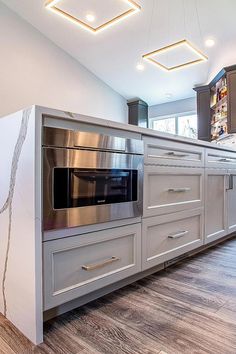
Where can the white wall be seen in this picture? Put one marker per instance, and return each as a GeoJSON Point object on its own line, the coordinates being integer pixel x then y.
{"type": "Point", "coordinates": [33, 70]}
{"type": "Point", "coordinates": [169, 108]}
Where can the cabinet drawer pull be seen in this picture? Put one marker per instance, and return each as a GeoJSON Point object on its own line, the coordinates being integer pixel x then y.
{"type": "Point", "coordinates": [178, 234]}
{"type": "Point", "coordinates": [179, 190]}
{"type": "Point", "coordinates": [226, 160]}
{"type": "Point", "coordinates": [90, 267]}
{"type": "Point", "coordinates": [230, 182]}
{"type": "Point", "coordinates": [174, 154]}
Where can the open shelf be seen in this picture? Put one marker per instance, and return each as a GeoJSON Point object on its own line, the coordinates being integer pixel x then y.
{"type": "Point", "coordinates": [219, 103]}
{"type": "Point", "coordinates": [219, 109]}
{"type": "Point", "coordinates": [216, 105]}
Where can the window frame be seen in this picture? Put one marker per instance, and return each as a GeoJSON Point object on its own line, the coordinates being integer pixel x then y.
{"type": "Point", "coordinates": [176, 116]}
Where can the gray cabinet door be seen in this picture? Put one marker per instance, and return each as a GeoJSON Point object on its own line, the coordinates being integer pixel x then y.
{"type": "Point", "coordinates": [231, 202]}
{"type": "Point", "coordinates": [215, 204]}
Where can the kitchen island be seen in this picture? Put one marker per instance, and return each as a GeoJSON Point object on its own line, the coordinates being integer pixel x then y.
{"type": "Point", "coordinates": [189, 198]}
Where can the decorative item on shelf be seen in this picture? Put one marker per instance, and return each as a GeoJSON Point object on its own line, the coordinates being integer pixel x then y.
{"type": "Point", "coordinates": [222, 130]}
{"type": "Point", "coordinates": [213, 100]}
{"type": "Point", "coordinates": [54, 6]}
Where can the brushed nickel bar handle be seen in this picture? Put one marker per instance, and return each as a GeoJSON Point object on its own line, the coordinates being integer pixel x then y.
{"type": "Point", "coordinates": [230, 182]}
{"type": "Point", "coordinates": [178, 234]}
{"type": "Point", "coordinates": [226, 160]}
{"type": "Point", "coordinates": [178, 190]}
{"type": "Point", "coordinates": [172, 153]}
{"type": "Point", "coordinates": [95, 266]}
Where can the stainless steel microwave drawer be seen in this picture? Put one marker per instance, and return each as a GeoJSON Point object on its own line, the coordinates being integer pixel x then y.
{"type": "Point", "coordinates": [168, 236]}
{"type": "Point", "coordinates": [171, 189]}
{"type": "Point", "coordinates": [78, 265]}
{"type": "Point", "coordinates": [171, 153]}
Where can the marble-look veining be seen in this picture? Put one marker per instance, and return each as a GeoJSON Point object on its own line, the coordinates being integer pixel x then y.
{"type": "Point", "coordinates": [70, 114]}
{"type": "Point", "coordinates": [7, 206]}
{"type": "Point", "coordinates": [20, 223]}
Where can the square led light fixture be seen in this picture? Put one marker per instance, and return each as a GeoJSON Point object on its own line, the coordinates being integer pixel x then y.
{"type": "Point", "coordinates": [54, 5]}
{"type": "Point", "coordinates": [151, 57]}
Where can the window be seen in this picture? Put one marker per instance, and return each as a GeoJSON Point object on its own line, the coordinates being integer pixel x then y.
{"type": "Point", "coordinates": [187, 126]}
{"type": "Point", "coordinates": [184, 124]}
{"type": "Point", "coordinates": [167, 125]}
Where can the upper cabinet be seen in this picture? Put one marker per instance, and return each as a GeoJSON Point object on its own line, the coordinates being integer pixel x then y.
{"type": "Point", "coordinates": [216, 105]}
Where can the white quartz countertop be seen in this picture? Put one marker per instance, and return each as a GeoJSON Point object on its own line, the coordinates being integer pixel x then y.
{"type": "Point", "coordinates": [131, 128]}
{"type": "Point", "coordinates": [128, 127]}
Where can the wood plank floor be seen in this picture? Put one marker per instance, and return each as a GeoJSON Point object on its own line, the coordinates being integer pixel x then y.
{"type": "Point", "coordinates": [188, 308]}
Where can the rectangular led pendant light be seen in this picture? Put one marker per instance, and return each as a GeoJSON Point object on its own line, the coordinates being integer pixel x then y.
{"type": "Point", "coordinates": [168, 48]}
{"type": "Point", "coordinates": [53, 5]}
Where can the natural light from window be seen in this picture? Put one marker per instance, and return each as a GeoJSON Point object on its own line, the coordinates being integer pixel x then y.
{"type": "Point", "coordinates": [182, 124]}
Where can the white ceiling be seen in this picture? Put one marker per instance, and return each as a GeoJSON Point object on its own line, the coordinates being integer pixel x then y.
{"type": "Point", "coordinates": [113, 53]}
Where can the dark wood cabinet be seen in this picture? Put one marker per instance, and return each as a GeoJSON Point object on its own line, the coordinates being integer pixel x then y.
{"type": "Point", "coordinates": [138, 113]}
{"type": "Point", "coordinates": [203, 112]}
{"type": "Point", "coordinates": [231, 82]}
{"type": "Point", "coordinates": [216, 105]}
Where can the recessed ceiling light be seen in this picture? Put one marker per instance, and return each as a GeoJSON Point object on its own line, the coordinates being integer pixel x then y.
{"type": "Point", "coordinates": [140, 67]}
{"type": "Point", "coordinates": [90, 17]}
{"type": "Point", "coordinates": [168, 95]}
{"type": "Point", "coordinates": [210, 42]}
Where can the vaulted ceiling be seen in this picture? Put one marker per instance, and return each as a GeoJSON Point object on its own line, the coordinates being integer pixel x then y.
{"type": "Point", "coordinates": [113, 54]}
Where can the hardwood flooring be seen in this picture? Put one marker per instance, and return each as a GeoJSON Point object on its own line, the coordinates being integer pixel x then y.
{"type": "Point", "coordinates": [188, 308]}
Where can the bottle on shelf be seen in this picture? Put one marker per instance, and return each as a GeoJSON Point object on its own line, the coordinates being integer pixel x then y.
{"type": "Point", "coordinates": [218, 115]}
{"type": "Point", "coordinates": [224, 92]}
{"type": "Point", "coordinates": [221, 131]}
{"type": "Point", "coordinates": [213, 100]}
{"type": "Point", "coordinates": [224, 111]}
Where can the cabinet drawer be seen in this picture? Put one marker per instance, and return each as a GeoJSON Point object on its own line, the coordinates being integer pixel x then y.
{"type": "Point", "coordinates": [220, 159]}
{"type": "Point", "coordinates": [168, 236]}
{"type": "Point", "coordinates": [75, 266]}
{"type": "Point", "coordinates": [164, 152]}
{"type": "Point", "coordinates": [169, 189]}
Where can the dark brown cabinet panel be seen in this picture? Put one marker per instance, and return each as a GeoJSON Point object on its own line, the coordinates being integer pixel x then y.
{"type": "Point", "coordinates": [231, 82]}
{"type": "Point", "coordinates": [138, 113]}
{"type": "Point", "coordinates": [203, 112]}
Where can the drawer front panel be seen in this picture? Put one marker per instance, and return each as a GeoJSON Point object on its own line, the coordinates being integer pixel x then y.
{"type": "Point", "coordinates": [168, 190]}
{"type": "Point", "coordinates": [78, 265]}
{"type": "Point", "coordinates": [169, 236]}
{"type": "Point", "coordinates": [220, 159]}
{"type": "Point", "coordinates": [160, 152]}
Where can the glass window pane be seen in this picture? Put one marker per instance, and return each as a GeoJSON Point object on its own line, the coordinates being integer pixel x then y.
{"type": "Point", "coordinates": [166, 125]}
{"type": "Point", "coordinates": [187, 126]}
